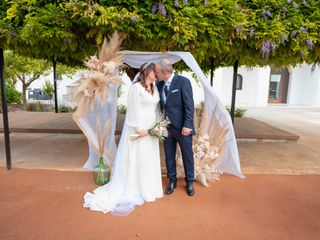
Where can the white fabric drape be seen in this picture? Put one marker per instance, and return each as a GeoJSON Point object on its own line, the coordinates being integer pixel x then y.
{"type": "Point", "coordinates": [87, 123]}
{"type": "Point", "coordinates": [230, 162]}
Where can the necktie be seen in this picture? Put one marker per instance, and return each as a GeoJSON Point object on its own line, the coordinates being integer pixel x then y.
{"type": "Point", "coordinates": [166, 90]}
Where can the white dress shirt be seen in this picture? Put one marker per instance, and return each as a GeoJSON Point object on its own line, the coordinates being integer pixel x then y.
{"type": "Point", "coordinates": [167, 84]}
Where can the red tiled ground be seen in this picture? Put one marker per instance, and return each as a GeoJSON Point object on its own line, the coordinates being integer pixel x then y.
{"type": "Point", "coordinates": [44, 204]}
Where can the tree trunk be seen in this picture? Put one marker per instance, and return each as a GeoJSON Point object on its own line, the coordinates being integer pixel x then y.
{"type": "Point", "coordinates": [24, 93]}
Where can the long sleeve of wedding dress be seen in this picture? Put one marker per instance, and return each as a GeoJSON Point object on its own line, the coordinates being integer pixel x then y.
{"type": "Point", "coordinates": [136, 175]}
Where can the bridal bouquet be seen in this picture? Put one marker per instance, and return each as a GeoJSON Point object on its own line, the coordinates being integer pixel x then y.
{"type": "Point", "coordinates": [159, 130]}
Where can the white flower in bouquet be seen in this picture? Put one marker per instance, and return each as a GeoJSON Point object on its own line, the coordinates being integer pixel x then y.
{"type": "Point", "coordinates": [109, 67]}
{"type": "Point", "coordinates": [86, 92]}
{"type": "Point", "coordinates": [206, 137]}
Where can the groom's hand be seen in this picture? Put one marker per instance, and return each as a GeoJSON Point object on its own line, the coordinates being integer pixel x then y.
{"type": "Point", "coordinates": [186, 131]}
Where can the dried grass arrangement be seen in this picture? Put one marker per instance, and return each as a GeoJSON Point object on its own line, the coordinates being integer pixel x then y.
{"type": "Point", "coordinates": [102, 71]}
{"type": "Point", "coordinates": [102, 139]}
{"type": "Point", "coordinates": [208, 147]}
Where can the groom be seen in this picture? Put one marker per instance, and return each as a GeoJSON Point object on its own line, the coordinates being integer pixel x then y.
{"type": "Point", "coordinates": [177, 104]}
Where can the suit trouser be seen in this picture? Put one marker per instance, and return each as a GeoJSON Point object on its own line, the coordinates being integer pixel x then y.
{"type": "Point", "coordinates": [170, 147]}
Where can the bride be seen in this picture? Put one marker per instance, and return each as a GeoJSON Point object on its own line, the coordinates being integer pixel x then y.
{"type": "Point", "coordinates": [136, 175]}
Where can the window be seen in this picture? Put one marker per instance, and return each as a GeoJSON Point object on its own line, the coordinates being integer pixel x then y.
{"type": "Point", "coordinates": [239, 82]}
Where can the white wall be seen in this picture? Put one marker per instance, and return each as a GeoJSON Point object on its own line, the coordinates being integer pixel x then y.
{"type": "Point", "coordinates": [254, 87]}
{"type": "Point", "coordinates": [304, 87]}
{"type": "Point", "coordinates": [61, 85]}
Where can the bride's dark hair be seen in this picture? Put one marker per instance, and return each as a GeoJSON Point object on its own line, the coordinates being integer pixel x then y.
{"type": "Point", "coordinates": [144, 71]}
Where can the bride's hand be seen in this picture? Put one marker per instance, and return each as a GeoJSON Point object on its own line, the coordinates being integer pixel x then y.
{"type": "Point", "coordinates": [143, 133]}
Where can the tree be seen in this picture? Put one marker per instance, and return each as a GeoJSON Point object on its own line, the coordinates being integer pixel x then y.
{"type": "Point", "coordinates": [24, 69]}
{"type": "Point", "coordinates": [27, 70]}
{"type": "Point", "coordinates": [258, 32]}
{"type": "Point", "coordinates": [48, 89]}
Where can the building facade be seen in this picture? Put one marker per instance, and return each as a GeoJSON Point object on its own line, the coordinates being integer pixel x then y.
{"type": "Point", "coordinates": [296, 86]}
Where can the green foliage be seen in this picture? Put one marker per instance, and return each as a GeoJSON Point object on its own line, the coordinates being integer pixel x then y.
{"type": "Point", "coordinates": [48, 88]}
{"type": "Point", "coordinates": [119, 91]}
{"type": "Point", "coordinates": [66, 109]}
{"type": "Point", "coordinates": [238, 112]}
{"type": "Point", "coordinates": [13, 96]}
{"type": "Point", "coordinates": [27, 70]}
{"type": "Point", "coordinates": [221, 31]}
{"type": "Point", "coordinates": [37, 107]}
{"type": "Point", "coordinates": [122, 109]}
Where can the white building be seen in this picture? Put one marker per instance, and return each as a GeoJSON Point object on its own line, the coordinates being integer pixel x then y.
{"type": "Point", "coordinates": [256, 86]}
{"type": "Point", "coordinates": [262, 86]}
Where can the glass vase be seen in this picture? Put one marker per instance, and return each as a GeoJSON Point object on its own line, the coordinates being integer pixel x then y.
{"type": "Point", "coordinates": [101, 173]}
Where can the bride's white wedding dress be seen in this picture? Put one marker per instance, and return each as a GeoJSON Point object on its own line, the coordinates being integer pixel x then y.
{"type": "Point", "coordinates": [136, 173]}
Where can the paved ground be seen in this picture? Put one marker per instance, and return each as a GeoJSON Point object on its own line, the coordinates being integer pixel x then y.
{"type": "Point", "coordinates": [42, 204]}
{"type": "Point", "coordinates": [47, 204]}
{"type": "Point", "coordinates": [69, 151]}
{"type": "Point", "coordinates": [302, 157]}
{"type": "Point", "coordinates": [49, 122]}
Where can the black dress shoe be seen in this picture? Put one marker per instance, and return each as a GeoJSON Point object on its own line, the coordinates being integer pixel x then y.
{"type": "Point", "coordinates": [171, 187]}
{"type": "Point", "coordinates": [190, 189]}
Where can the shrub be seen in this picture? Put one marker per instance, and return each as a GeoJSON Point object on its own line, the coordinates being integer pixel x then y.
{"type": "Point", "coordinates": [13, 96]}
{"type": "Point", "coordinates": [36, 107]}
{"type": "Point", "coordinates": [239, 112]}
{"type": "Point", "coordinates": [122, 109]}
{"type": "Point", "coordinates": [48, 88]}
{"type": "Point", "coordinates": [63, 108]}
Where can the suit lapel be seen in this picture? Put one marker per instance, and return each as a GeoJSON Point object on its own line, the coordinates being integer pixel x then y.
{"type": "Point", "coordinates": [172, 86]}
{"type": "Point", "coordinates": [160, 89]}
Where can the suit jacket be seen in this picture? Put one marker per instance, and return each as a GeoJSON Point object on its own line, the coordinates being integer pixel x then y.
{"type": "Point", "coordinates": [179, 106]}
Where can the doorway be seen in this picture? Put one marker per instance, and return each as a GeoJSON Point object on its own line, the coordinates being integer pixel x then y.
{"type": "Point", "coordinates": [278, 85]}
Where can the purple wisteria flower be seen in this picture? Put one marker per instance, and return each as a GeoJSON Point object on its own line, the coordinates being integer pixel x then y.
{"type": "Point", "coordinates": [293, 33]}
{"type": "Point", "coordinates": [134, 19]}
{"type": "Point", "coordinates": [310, 44]}
{"type": "Point", "coordinates": [285, 10]}
{"type": "Point", "coordinates": [295, 5]}
{"type": "Point", "coordinates": [68, 40]}
{"type": "Point", "coordinates": [304, 3]}
{"type": "Point", "coordinates": [238, 8]}
{"type": "Point", "coordinates": [238, 28]}
{"type": "Point", "coordinates": [185, 2]}
{"type": "Point", "coordinates": [284, 38]}
{"type": "Point", "coordinates": [268, 13]}
{"type": "Point", "coordinates": [265, 17]}
{"type": "Point", "coordinates": [303, 30]}
{"type": "Point", "coordinates": [266, 48]}
{"type": "Point", "coordinates": [176, 3]}
{"type": "Point", "coordinates": [11, 33]}
{"type": "Point", "coordinates": [162, 9]}
{"type": "Point", "coordinates": [273, 47]}
{"type": "Point", "coordinates": [289, 1]}
{"type": "Point", "coordinates": [251, 33]}
{"type": "Point", "coordinates": [154, 8]}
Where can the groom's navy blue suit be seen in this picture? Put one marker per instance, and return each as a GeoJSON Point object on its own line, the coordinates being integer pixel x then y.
{"type": "Point", "coordinates": [178, 107]}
